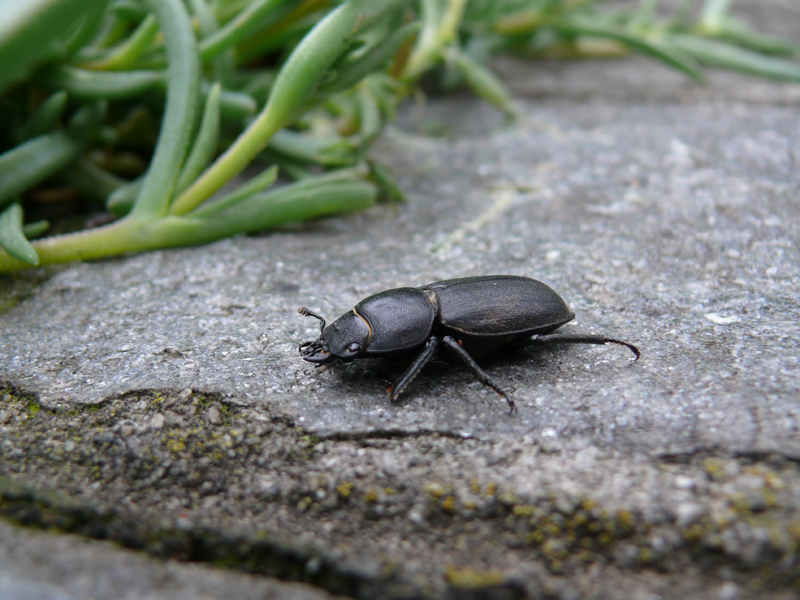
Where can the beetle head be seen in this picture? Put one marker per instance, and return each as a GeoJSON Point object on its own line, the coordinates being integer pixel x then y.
{"type": "Point", "coordinates": [343, 340]}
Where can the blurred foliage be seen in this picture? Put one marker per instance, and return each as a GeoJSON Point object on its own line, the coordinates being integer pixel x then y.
{"type": "Point", "coordinates": [147, 108]}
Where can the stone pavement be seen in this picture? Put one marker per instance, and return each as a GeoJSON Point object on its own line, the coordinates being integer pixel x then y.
{"type": "Point", "coordinates": [158, 401]}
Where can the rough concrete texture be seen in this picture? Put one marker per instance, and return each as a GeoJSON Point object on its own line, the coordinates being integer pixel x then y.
{"type": "Point", "coordinates": [159, 400]}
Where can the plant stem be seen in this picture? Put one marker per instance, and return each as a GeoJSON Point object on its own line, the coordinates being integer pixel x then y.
{"type": "Point", "coordinates": [117, 238]}
{"type": "Point", "coordinates": [183, 94]}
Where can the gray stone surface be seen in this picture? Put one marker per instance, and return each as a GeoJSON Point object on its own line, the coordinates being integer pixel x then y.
{"type": "Point", "coordinates": [670, 226]}
{"type": "Point", "coordinates": [46, 566]}
{"type": "Point", "coordinates": [665, 214]}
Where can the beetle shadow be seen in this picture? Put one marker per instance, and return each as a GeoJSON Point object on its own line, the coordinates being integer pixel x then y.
{"type": "Point", "coordinates": [374, 376]}
{"type": "Point", "coordinates": [377, 375]}
{"type": "Point", "coordinates": [358, 377]}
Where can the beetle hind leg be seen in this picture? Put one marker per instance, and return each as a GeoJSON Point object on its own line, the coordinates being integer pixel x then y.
{"type": "Point", "coordinates": [431, 347]}
{"type": "Point", "coordinates": [573, 338]}
{"type": "Point", "coordinates": [479, 373]}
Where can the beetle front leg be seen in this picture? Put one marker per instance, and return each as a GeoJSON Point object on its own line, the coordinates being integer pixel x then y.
{"type": "Point", "coordinates": [482, 376]}
{"type": "Point", "coordinates": [431, 347]}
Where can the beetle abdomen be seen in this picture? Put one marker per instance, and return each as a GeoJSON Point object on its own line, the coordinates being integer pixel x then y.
{"type": "Point", "coordinates": [400, 319]}
{"type": "Point", "coordinates": [501, 305]}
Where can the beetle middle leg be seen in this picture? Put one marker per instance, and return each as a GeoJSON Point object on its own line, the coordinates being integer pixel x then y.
{"type": "Point", "coordinates": [482, 376]}
{"type": "Point", "coordinates": [431, 347]}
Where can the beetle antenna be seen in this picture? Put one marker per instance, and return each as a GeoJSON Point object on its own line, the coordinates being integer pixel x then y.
{"type": "Point", "coordinates": [310, 313]}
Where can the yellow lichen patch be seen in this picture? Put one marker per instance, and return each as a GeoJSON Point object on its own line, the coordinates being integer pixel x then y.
{"type": "Point", "coordinates": [714, 468]}
{"type": "Point", "coordinates": [773, 481]}
{"type": "Point", "coordinates": [523, 510]}
{"type": "Point", "coordinates": [475, 486]}
{"type": "Point", "coordinates": [435, 490]}
{"type": "Point", "coordinates": [625, 521]}
{"type": "Point", "coordinates": [344, 489]}
{"type": "Point", "coordinates": [793, 528]}
{"type": "Point", "coordinates": [693, 533]}
{"type": "Point", "coordinates": [536, 537]}
{"type": "Point", "coordinates": [646, 556]}
{"type": "Point", "coordinates": [467, 577]}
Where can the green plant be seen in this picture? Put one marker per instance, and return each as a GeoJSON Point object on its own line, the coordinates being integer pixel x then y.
{"type": "Point", "coordinates": [299, 86]}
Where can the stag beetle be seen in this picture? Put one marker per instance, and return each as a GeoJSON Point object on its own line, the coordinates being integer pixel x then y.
{"type": "Point", "coordinates": [471, 316]}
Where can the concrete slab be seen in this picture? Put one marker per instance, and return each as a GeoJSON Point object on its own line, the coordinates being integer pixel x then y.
{"type": "Point", "coordinates": [47, 566]}
{"type": "Point", "coordinates": [163, 395]}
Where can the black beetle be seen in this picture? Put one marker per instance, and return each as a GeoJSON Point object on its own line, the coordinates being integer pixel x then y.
{"type": "Point", "coordinates": [472, 316]}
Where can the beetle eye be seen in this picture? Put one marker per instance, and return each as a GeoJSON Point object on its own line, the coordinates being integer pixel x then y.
{"type": "Point", "coordinates": [354, 347]}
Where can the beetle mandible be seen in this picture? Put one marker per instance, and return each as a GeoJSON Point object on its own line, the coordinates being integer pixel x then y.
{"type": "Point", "coordinates": [471, 316]}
